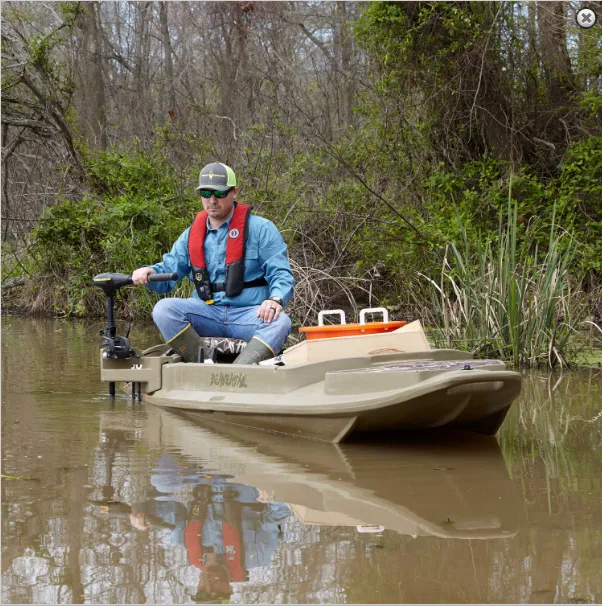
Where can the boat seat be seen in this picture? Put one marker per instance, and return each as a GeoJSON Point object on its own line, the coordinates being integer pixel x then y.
{"type": "Point", "coordinates": [225, 346]}
{"type": "Point", "coordinates": [221, 345]}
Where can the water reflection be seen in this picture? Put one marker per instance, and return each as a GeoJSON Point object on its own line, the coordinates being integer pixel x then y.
{"type": "Point", "coordinates": [454, 486]}
{"type": "Point", "coordinates": [110, 489]}
{"type": "Point", "coordinates": [555, 420]}
{"type": "Point", "coordinates": [261, 516]}
{"type": "Point", "coordinates": [227, 528]}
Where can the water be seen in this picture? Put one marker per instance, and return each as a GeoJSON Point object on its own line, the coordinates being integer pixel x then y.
{"type": "Point", "coordinates": [126, 503]}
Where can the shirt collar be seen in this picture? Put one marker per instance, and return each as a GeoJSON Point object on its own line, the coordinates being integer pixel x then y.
{"type": "Point", "coordinates": [226, 222]}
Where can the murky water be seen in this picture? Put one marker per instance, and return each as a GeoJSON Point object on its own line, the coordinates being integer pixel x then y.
{"type": "Point", "coordinates": [125, 503]}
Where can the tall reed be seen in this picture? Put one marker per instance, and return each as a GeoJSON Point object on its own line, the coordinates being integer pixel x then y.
{"type": "Point", "coordinates": [509, 298]}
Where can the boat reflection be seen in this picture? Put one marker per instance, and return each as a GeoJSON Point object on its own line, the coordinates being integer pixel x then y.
{"type": "Point", "coordinates": [241, 503]}
{"type": "Point", "coordinates": [454, 487]}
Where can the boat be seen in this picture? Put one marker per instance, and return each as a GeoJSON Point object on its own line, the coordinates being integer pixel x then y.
{"type": "Point", "coordinates": [456, 487]}
{"type": "Point", "coordinates": [327, 389]}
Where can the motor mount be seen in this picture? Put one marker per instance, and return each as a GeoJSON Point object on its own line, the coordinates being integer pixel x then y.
{"type": "Point", "coordinates": [116, 348]}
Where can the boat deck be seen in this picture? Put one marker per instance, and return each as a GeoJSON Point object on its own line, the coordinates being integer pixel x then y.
{"type": "Point", "coordinates": [419, 365]}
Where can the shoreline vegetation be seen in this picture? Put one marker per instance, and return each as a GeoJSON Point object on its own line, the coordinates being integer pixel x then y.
{"type": "Point", "coordinates": [443, 160]}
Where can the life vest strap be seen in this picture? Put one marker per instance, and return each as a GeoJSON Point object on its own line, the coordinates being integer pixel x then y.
{"type": "Point", "coordinates": [221, 286]}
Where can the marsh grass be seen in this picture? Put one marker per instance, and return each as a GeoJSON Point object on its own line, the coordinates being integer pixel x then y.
{"type": "Point", "coordinates": [510, 298]}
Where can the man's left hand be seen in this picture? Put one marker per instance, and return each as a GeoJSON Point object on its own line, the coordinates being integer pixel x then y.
{"type": "Point", "coordinates": [269, 311]}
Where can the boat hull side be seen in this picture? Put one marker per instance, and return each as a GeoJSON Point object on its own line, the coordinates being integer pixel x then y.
{"type": "Point", "coordinates": [343, 402]}
{"type": "Point", "coordinates": [476, 407]}
{"type": "Point", "coordinates": [479, 408]}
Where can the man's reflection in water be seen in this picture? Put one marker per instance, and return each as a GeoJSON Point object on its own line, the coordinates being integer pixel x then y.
{"type": "Point", "coordinates": [227, 528]}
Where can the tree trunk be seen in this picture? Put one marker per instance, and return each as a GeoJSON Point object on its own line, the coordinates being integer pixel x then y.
{"type": "Point", "coordinates": [100, 122]}
{"type": "Point", "coordinates": [532, 59]}
{"type": "Point", "coordinates": [92, 101]}
{"type": "Point", "coordinates": [6, 211]}
{"type": "Point", "coordinates": [556, 63]}
{"type": "Point", "coordinates": [141, 57]}
{"type": "Point", "coordinates": [346, 54]}
{"type": "Point", "coordinates": [171, 98]}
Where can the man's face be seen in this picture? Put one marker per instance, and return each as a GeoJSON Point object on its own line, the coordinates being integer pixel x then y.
{"type": "Point", "coordinates": [220, 208]}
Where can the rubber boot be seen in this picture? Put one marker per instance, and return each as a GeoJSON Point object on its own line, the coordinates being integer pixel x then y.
{"type": "Point", "coordinates": [256, 351]}
{"type": "Point", "coordinates": [187, 343]}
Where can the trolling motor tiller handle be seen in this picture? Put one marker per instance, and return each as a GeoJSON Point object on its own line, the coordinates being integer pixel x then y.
{"type": "Point", "coordinates": [115, 347]}
{"type": "Point", "coordinates": [111, 283]}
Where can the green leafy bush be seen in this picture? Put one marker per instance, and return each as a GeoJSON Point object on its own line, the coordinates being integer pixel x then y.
{"type": "Point", "coordinates": [132, 216]}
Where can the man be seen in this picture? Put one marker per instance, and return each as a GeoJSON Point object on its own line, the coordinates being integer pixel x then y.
{"type": "Point", "coordinates": [227, 529]}
{"type": "Point", "coordinates": [239, 266]}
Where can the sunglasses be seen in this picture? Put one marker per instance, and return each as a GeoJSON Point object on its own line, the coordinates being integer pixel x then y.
{"type": "Point", "coordinates": [207, 193]}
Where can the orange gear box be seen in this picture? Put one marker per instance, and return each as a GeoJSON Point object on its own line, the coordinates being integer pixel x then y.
{"type": "Point", "coordinates": [350, 330]}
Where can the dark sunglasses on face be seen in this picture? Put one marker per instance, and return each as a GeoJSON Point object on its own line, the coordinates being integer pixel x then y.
{"type": "Point", "coordinates": [207, 193]}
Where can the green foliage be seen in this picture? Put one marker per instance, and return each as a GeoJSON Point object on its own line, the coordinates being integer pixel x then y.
{"type": "Point", "coordinates": [70, 11]}
{"type": "Point", "coordinates": [40, 51]}
{"type": "Point", "coordinates": [591, 103]}
{"type": "Point", "coordinates": [425, 54]}
{"type": "Point", "coordinates": [467, 79]}
{"type": "Point", "coordinates": [467, 203]}
{"type": "Point", "coordinates": [133, 217]}
{"type": "Point", "coordinates": [512, 299]}
{"type": "Point", "coordinates": [139, 202]}
{"type": "Point", "coordinates": [579, 197]}
{"type": "Point", "coordinates": [426, 35]}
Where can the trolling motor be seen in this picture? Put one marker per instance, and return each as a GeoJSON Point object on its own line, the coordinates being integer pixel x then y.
{"type": "Point", "coordinates": [116, 347]}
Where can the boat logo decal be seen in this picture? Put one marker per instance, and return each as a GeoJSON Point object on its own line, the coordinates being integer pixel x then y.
{"type": "Point", "coordinates": [234, 233]}
{"type": "Point", "coordinates": [237, 380]}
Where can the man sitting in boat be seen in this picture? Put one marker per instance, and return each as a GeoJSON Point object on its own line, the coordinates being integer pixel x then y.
{"type": "Point", "coordinates": [239, 266]}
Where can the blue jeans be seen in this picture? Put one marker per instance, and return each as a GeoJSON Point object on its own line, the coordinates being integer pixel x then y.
{"type": "Point", "coordinates": [171, 315]}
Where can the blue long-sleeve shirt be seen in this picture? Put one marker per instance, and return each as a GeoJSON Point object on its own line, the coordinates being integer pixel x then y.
{"type": "Point", "coordinates": [265, 256]}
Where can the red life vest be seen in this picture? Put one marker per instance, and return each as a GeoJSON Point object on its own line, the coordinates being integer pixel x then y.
{"type": "Point", "coordinates": [232, 548]}
{"type": "Point", "coordinates": [235, 255]}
